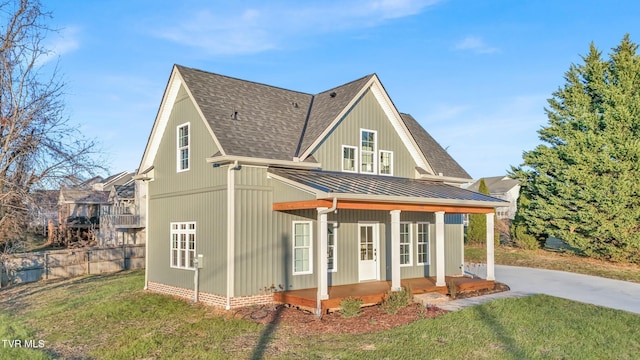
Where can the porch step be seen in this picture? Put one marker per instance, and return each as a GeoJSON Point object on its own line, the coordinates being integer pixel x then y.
{"type": "Point", "coordinates": [431, 298]}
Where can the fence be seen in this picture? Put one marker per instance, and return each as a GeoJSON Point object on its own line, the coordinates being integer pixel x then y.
{"type": "Point", "coordinates": [56, 264]}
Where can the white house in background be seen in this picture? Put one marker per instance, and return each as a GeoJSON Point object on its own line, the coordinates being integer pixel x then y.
{"type": "Point", "coordinates": [505, 188]}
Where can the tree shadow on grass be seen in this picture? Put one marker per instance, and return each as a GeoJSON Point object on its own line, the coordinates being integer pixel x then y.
{"type": "Point", "coordinates": [512, 349]}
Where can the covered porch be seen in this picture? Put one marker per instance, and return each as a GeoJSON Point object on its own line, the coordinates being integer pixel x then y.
{"type": "Point", "coordinates": [334, 192]}
{"type": "Point", "coordinates": [373, 292]}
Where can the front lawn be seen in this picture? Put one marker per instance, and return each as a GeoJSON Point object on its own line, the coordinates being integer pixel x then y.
{"type": "Point", "coordinates": [110, 317]}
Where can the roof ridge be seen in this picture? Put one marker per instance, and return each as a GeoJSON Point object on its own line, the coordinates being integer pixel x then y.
{"type": "Point", "coordinates": [243, 80]}
{"type": "Point", "coordinates": [346, 84]}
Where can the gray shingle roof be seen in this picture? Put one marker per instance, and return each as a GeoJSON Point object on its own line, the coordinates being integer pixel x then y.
{"type": "Point", "coordinates": [269, 119]}
{"type": "Point", "coordinates": [327, 107]}
{"type": "Point", "coordinates": [279, 124]}
{"type": "Point", "coordinates": [496, 184]}
{"type": "Point", "coordinates": [438, 158]}
{"type": "Point", "coordinates": [84, 196]}
{"type": "Point", "coordinates": [339, 182]}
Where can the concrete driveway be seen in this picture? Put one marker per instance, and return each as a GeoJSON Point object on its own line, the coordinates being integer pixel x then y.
{"type": "Point", "coordinates": [595, 290]}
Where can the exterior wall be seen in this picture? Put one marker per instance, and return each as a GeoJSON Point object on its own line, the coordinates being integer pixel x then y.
{"type": "Point", "coordinates": [198, 195]}
{"type": "Point", "coordinates": [366, 114]}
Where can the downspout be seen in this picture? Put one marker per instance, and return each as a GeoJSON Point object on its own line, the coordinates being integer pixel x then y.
{"type": "Point", "coordinates": [322, 254]}
{"type": "Point", "coordinates": [231, 208]}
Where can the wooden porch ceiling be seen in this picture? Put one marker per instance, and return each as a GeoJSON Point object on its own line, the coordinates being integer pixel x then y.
{"type": "Point", "coordinates": [378, 205]}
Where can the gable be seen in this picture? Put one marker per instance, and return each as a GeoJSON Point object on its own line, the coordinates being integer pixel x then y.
{"type": "Point", "coordinates": [365, 114]}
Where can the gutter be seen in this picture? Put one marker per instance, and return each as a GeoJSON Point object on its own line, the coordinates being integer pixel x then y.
{"type": "Point", "coordinates": [231, 208]}
{"type": "Point", "coordinates": [227, 159]}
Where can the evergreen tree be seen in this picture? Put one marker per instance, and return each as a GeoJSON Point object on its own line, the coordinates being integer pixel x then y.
{"type": "Point", "coordinates": [477, 229]}
{"type": "Point", "coordinates": [582, 183]}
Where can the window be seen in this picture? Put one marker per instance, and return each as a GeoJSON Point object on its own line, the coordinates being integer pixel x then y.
{"type": "Point", "coordinates": [386, 162]}
{"type": "Point", "coordinates": [183, 245]}
{"type": "Point", "coordinates": [349, 158]}
{"type": "Point", "coordinates": [368, 150]}
{"type": "Point", "coordinates": [302, 240]}
{"type": "Point", "coordinates": [423, 243]}
{"type": "Point", "coordinates": [405, 244]}
{"type": "Point", "coordinates": [183, 147]}
{"type": "Point", "coordinates": [332, 247]}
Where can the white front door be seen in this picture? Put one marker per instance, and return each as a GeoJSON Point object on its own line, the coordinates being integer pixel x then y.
{"type": "Point", "coordinates": [368, 241]}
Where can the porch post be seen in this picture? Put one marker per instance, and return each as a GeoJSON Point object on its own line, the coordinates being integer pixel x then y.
{"type": "Point", "coordinates": [323, 291]}
{"type": "Point", "coordinates": [490, 248]}
{"type": "Point", "coordinates": [395, 250]}
{"type": "Point", "coordinates": [440, 279]}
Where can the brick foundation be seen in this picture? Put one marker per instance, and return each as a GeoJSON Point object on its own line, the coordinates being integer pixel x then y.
{"type": "Point", "coordinates": [211, 299]}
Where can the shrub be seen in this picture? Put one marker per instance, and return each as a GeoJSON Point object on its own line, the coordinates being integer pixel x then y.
{"type": "Point", "coordinates": [524, 240]}
{"type": "Point", "coordinates": [350, 307]}
{"type": "Point", "coordinates": [396, 300]}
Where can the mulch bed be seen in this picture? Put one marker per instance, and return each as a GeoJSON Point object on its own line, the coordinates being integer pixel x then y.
{"type": "Point", "coordinates": [371, 319]}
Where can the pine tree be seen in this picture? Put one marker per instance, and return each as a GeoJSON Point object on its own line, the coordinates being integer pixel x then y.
{"type": "Point", "coordinates": [477, 229]}
{"type": "Point", "coordinates": [582, 183]}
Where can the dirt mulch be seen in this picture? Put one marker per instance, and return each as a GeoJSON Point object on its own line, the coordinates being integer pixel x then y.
{"type": "Point", "coordinates": [371, 319]}
{"type": "Point", "coordinates": [301, 322]}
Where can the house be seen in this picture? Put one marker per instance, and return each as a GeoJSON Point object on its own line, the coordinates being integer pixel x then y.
{"type": "Point", "coordinates": [254, 189]}
{"type": "Point", "coordinates": [505, 188]}
{"type": "Point", "coordinates": [105, 210]}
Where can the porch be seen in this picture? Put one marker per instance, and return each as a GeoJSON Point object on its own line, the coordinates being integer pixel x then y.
{"type": "Point", "coordinates": [373, 292]}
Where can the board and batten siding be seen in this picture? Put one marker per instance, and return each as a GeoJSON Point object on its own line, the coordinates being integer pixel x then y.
{"type": "Point", "coordinates": [365, 114]}
{"type": "Point", "coordinates": [197, 195]}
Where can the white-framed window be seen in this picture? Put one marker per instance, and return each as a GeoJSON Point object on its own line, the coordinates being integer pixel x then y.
{"type": "Point", "coordinates": [422, 242]}
{"type": "Point", "coordinates": [183, 245]}
{"type": "Point", "coordinates": [405, 244]}
{"type": "Point", "coordinates": [386, 162]}
{"type": "Point", "coordinates": [302, 248]}
{"type": "Point", "coordinates": [349, 158]}
{"type": "Point", "coordinates": [183, 143]}
{"type": "Point", "coordinates": [368, 151]}
{"type": "Point", "coordinates": [332, 246]}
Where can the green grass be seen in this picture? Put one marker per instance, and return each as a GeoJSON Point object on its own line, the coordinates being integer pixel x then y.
{"type": "Point", "coordinates": [110, 317]}
{"type": "Point", "coordinates": [555, 260]}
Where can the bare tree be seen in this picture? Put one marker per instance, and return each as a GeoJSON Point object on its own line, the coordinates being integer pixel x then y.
{"type": "Point", "coordinates": [38, 146]}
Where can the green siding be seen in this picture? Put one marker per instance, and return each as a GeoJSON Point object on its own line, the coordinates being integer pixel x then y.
{"type": "Point", "coordinates": [366, 114]}
{"type": "Point", "coordinates": [196, 195]}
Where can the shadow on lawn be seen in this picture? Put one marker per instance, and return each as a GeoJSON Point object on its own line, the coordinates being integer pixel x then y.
{"type": "Point", "coordinates": [511, 345]}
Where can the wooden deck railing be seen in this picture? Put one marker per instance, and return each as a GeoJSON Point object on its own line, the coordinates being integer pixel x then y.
{"type": "Point", "coordinates": [127, 220]}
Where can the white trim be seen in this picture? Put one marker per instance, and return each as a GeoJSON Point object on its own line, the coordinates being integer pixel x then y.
{"type": "Point", "coordinates": [380, 152]}
{"type": "Point", "coordinates": [180, 148]}
{"type": "Point", "coordinates": [355, 158]}
{"type": "Point", "coordinates": [428, 243]}
{"type": "Point", "coordinates": [374, 152]}
{"type": "Point", "coordinates": [245, 160]}
{"type": "Point", "coordinates": [410, 243]}
{"type": "Point", "coordinates": [307, 152]}
{"type": "Point", "coordinates": [333, 225]}
{"type": "Point", "coordinates": [175, 228]}
{"type": "Point", "coordinates": [293, 247]}
{"type": "Point", "coordinates": [164, 114]}
{"type": "Point", "coordinates": [440, 258]}
{"type": "Point", "coordinates": [398, 124]}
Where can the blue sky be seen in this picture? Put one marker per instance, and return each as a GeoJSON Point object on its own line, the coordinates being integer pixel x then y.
{"type": "Point", "coordinates": [476, 74]}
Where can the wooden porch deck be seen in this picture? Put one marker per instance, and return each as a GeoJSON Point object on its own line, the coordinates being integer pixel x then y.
{"type": "Point", "coordinates": [373, 292]}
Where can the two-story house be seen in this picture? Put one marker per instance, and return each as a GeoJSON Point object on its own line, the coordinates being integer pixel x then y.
{"type": "Point", "coordinates": [280, 190]}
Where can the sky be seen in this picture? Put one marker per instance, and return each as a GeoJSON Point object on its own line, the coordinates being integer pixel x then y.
{"type": "Point", "coordinates": [476, 74]}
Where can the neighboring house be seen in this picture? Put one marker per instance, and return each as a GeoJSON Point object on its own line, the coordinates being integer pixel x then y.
{"type": "Point", "coordinates": [282, 190]}
{"type": "Point", "coordinates": [109, 207]}
{"type": "Point", "coordinates": [505, 188]}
